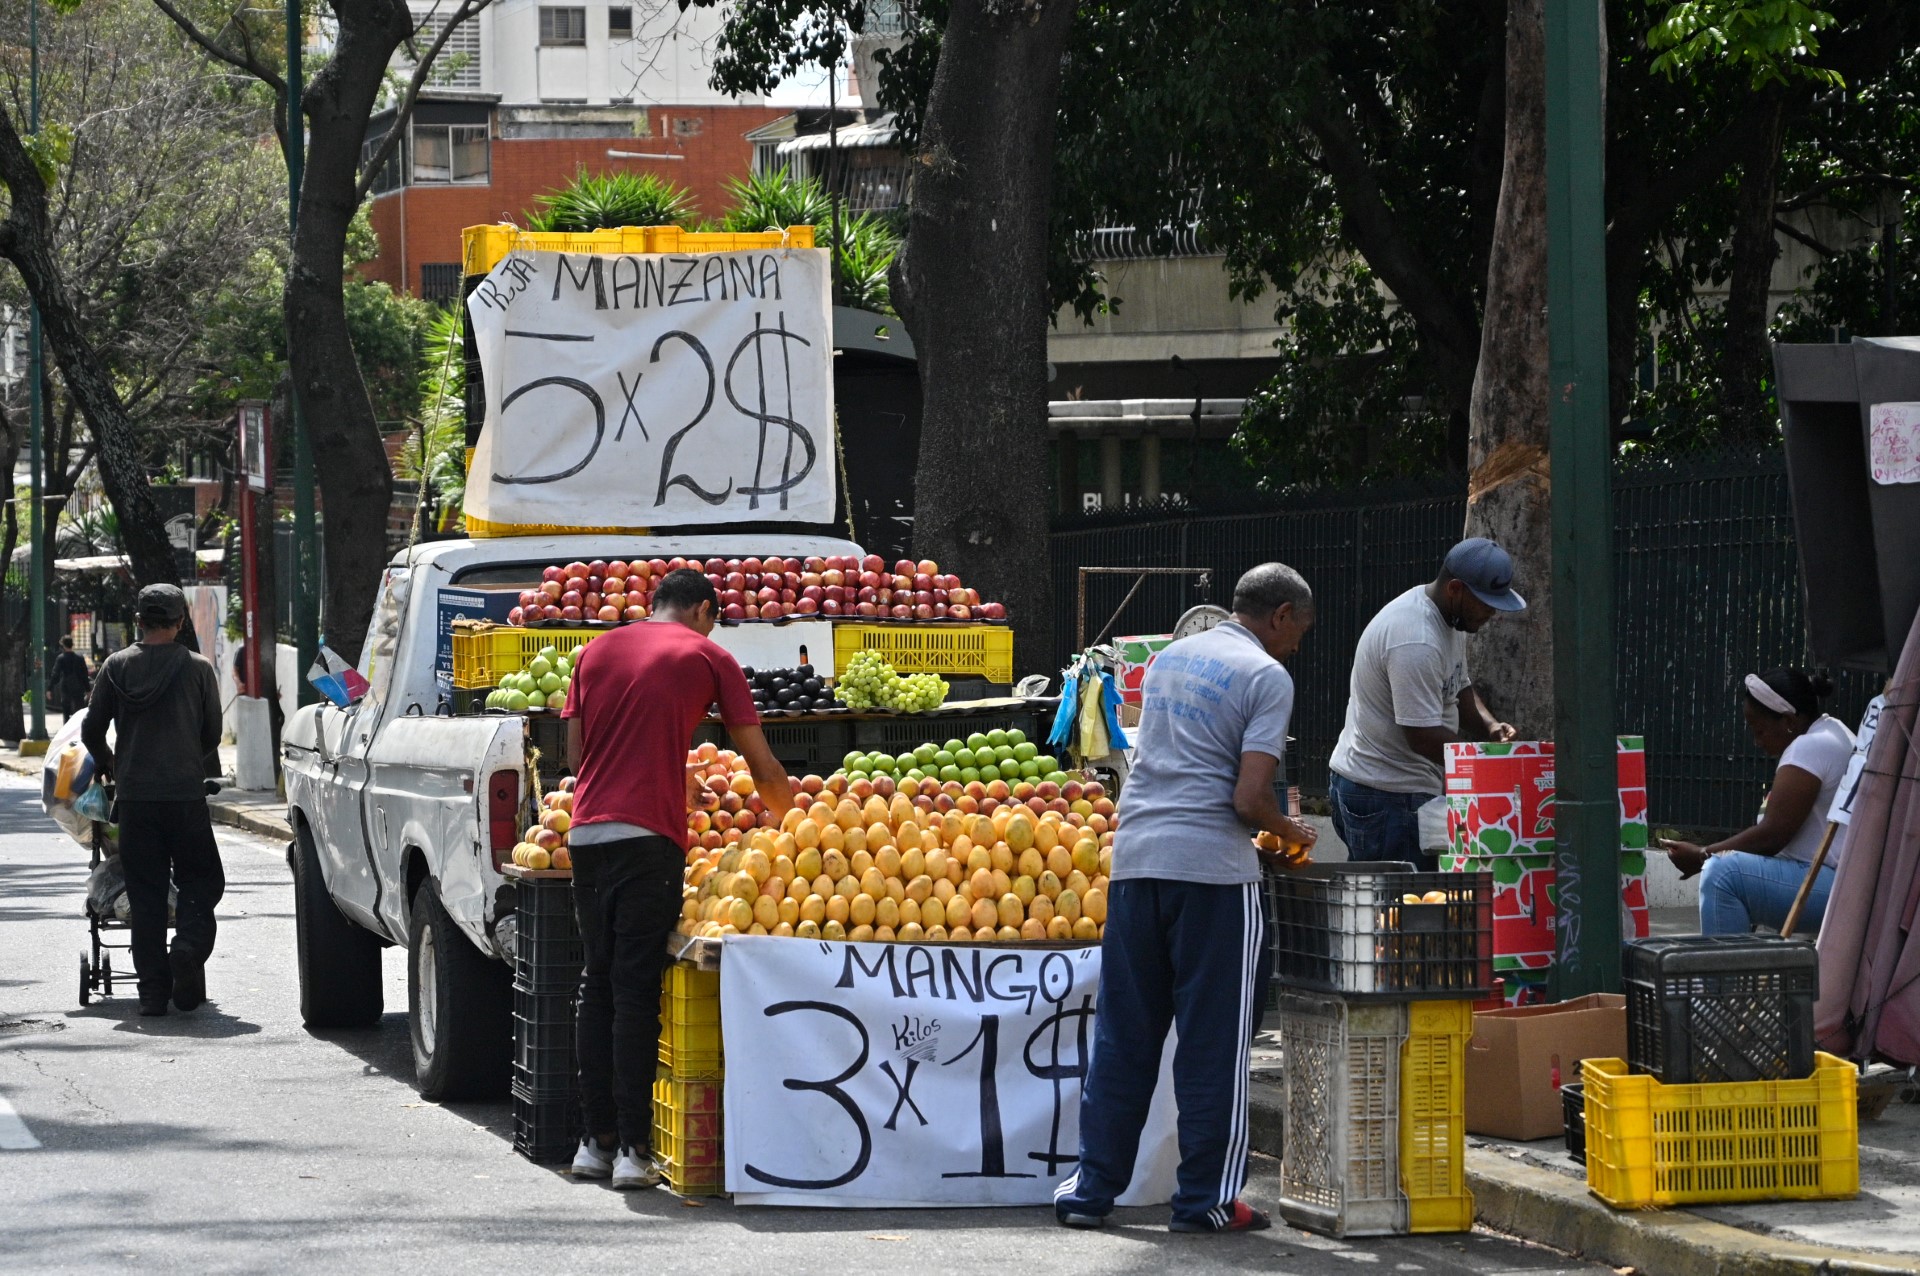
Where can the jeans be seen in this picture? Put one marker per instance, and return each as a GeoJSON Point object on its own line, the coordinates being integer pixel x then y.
{"type": "Point", "coordinates": [626, 898]}
{"type": "Point", "coordinates": [1185, 955]}
{"type": "Point", "coordinates": [159, 840]}
{"type": "Point", "coordinates": [1378, 825]}
{"type": "Point", "coordinates": [1739, 889]}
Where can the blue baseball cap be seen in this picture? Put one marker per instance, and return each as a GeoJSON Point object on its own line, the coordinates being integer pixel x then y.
{"type": "Point", "coordinates": [1487, 570]}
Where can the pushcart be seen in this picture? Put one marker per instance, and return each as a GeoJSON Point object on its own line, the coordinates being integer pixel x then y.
{"type": "Point", "coordinates": [96, 965]}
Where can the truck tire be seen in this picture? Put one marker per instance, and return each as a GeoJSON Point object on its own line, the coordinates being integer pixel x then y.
{"type": "Point", "coordinates": [461, 1009]}
{"type": "Point", "coordinates": [339, 961]}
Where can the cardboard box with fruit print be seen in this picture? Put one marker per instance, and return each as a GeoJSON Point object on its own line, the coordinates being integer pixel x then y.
{"type": "Point", "coordinates": [1136, 653]}
{"type": "Point", "coordinates": [1500, 797]}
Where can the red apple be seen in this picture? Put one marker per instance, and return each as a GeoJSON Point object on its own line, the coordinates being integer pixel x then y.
{"type": "Point", "coordinates": [616, 601]}
{"type": "Point", "coordinates": [617, 569]}
{"type": "Point", "coordinates": [694, 564]}
{"type": "Point", "coordinates": [734, 611]}
{"type": "Point", "coordinates": [831, 607]}
{"type": "Point", "coordinates": [922, 580]}
{"type": "Point", "coordinates": [752, 566]}
{"type": "Point", "coordinates": [569, 613]}
{"type": "Point", "coordinates": [598, 567]}
{"type": "Point", "coordinates": [923, 611]}
{"type": "Point", "coordinates": [807, 606]}
{"type": "Point", "coordinates": [928, 567]}
{"type": "Point", "coordinates": [868, 609]}
{"type": "Point", "coordinates": [873, 563]}
{"type": "Point", "coordinates": [551, 612]}
{"type": "Point", "coordinates": [957, 596]}
{"type": "Point", "coordinates": [675, 564]}
{"type": "Point", "coordinates": [572, 598]}
{"type": "Point", "coordinates": [657, 567]}
{"type": "Point", "coordinates": [578, 584]}
{"type": "Point", "coordinates": [752, 611]}
{"type": "Point", "coordinates": [812, 578]}
{"type": "Point", "coordinates": [973, 598]}
{"type": "Point", "coordinates": [731, 597]}
{"type": "Point", "coordinates": [902, 581]}
{"type": "Point", "coordinates": [833, 576]}
{"type": "Point", "coordinates": [959, 613]}
{"type": "Point", "coordinates": [816, 564]}
{"type": "Point", "coordinates": [515, 616]}
{"type": "Point", "coordinates": [923, 598]}
{"type": "Point", "coordinates": [789, 595]}
{"type": "Point", "coordinates": [994, 611]}
{"type": "Point", "coordinates": [609, 614]}
{"type": "Point", "coordinates": [576, 568]}
{"type": "Point", "coordinates": [771, 611]}
{"type": "Point", "coordinates": [553, 573]}
{"type": "Point", "coordinates": [814, 592]}
{"type": "Point", "coordinates": [902, 612]}
{"type": "Point", "coordinates": [764, 595]}
{"type": "Point", "coordinates": [905, 567]}
{"type": "Point", "coordinates": [634, 612]}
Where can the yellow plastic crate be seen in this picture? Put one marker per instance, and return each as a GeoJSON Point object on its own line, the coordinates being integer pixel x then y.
{"type": "Point", "coordinates": [1650, 1144]}
{"type": "Point", "coordinates": [954, 651]}
{"type": "Point", "coordinates": [690, 1022]}
{"type": "Point", "coordinates": [1433, 1116]}
{"type": "Point", "coordinates": [484, 246]}
{"type": "Point", "coordinates": [687, 1134]}
{"type": "Point", "coordinates": [484, 654]}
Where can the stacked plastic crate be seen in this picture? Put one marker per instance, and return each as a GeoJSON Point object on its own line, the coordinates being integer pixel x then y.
{"type": "Point", "coordinates": [546, 972]}
{"type": "Point", "coordinates": [1378, 968]}
{"type": "Point", "coordinates": [686, 1090]}
{"type": "Point", "coordinates": [1722, 1097]}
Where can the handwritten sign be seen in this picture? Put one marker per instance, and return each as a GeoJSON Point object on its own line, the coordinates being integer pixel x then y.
{"type": "Point", "coordinates": [867, 1075]}
{"type": "Point", "coordinates": [1841, 812]}
{"type": "Point", "coordinates": [653, 391]}
{"type": "Point", "coordinates": [1893, 442]}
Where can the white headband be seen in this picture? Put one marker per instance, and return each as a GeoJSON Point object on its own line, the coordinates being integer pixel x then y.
{"type": "Point", "coordinates": [1767, 696]}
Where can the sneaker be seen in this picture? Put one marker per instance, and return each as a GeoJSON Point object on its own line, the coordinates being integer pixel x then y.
{"type": "Point", "coordinates": [632, 1170]}
{"type": "Point", "coordinates": [189, 978]}
{"type": "Point", "coordinates": [153, 1007]}
{"type": "Point", "coordinates": [1237, 1217]}
{"type": "Point", "coordinates": [1084, 1222]}
{"type": "Point", "coordinates": [592, 1161]}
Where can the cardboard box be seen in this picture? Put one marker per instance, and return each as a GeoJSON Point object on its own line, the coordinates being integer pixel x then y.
{"type": "Point", "coordinates": [1500, 797]}
{"type": "Point", "coordinates": [1526, 901]}
{"type": "Point", "coordinates": [1519, 1058]}
{"type": "Point", "coordinates": [1136, 653]}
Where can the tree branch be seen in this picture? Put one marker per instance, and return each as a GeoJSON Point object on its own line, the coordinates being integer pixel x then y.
{"type": "Point", "coordinates": [403, 111]}
{"type": "Point", "coordinates": [1800, 236]}
{"type": "Point", "coordinates": [220, 53]}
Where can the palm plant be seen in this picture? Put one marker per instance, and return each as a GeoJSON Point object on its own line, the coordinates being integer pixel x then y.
{"type": "Point", "coordinates": [606, 200]}
{"type": "Point", "coordinates": [435, 453]}
{"type": "Point", "coordinates": [775, 200]}
{"type": "Point", "coordinates": [865, 250]}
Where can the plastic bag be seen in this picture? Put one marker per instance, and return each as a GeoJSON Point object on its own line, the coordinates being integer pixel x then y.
{"type": "Point", "coordinates": [106, 887]}
{"type": "Point", "coordinates": [94, 805]}
{"type": "Point", "coordinates": [61, 782]}
{"type": "Point", "coordinates": [1432, 818]}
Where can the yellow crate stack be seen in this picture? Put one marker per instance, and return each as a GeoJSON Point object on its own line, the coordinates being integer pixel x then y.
{"type": "Point", "coordinates": [1433, 1116]}
{"type": "Point", "coordinates": [484, 653]}
{"type": "Point", "coordinates": [1722, 1142]}
{"type": "Point", "coordinates": [953, 651]}
{"type": "Point", "coordinates": [686, 1092]}
{"type": "Point", "coordinates": [485, 246]}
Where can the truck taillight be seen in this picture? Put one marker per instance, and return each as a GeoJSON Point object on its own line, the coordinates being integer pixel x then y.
{"type": "Point", "coordinates": [503, 814]}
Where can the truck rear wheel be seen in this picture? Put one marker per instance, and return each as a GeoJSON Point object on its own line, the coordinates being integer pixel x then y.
{"type": "Point", "coordinates": [461, 1009]}
{"type": "Point", "coordinates": [339, 961]}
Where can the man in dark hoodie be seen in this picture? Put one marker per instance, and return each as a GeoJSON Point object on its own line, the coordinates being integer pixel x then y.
{"type": "Point", "coordinates": [165, 702]}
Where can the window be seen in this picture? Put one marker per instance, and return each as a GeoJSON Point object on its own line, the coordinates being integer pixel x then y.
{"type": "Point", "coordinates": [440, 281]}
{"type": "Point", "coordinates": [620, 22]}
{"type": "Point", "coordinates": [458, 66]}
{"type": "Point", "coordinates": [391, 176]}
{"type": "Point", "coordinates": [450, 153]}
{"type": "Point", "coordinates": [563, 27]}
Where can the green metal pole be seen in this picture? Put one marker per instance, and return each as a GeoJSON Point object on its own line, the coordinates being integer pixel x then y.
{"type": "Point", "coordinates": [36, 434]}
{"type": "Point", "coordinates": [1587, 813]}
{"type": "Point", "coordinates": [306, 589]}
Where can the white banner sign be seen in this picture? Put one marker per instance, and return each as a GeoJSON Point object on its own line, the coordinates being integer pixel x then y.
{"type": "Point", "coordinates": [910, 1074]}
{"type": "Point", "coordinates": [1841, 811]}
{"type": "Point", "coordinates": [654, 391]}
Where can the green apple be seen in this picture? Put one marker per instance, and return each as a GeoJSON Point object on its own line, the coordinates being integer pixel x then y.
{"type": "Point", "coordinates": [996, 737]}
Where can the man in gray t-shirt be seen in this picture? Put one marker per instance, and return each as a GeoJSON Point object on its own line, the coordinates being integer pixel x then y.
{"type": "Point", "coordinates": [1185, 942]}
{"type": "Point", "coordinates": [1410, 697]}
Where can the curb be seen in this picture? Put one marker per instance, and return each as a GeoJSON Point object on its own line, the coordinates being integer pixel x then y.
{"type": "Point", "coordinates": [1555, 1209]}
{"type": "Point", "coordinates": [261, 822]}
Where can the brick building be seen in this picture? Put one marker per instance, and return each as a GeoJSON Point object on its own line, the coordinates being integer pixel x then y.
{"type": "Point", "coordinates": [527, 95]}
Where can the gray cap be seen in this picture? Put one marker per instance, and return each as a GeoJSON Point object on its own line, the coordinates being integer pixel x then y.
{"type": "Point", "coordinates": [1487, 570]}
{"type": "Point", "coordinates": [164, 604]}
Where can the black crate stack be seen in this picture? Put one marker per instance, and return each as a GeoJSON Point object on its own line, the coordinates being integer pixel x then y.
{"type": "Point", "coordinates": [1704, 1008]}
{"type": "Point", "coordinates": [546, 1123]}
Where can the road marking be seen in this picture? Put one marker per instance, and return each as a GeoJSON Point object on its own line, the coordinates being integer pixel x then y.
{"type": "Point", "coordinates": [14, 1134]}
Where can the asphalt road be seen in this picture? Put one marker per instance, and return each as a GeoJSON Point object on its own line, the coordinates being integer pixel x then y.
{"type": "Point", "coordinates": [231, 1139]}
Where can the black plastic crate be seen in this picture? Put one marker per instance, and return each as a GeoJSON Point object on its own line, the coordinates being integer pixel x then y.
{"type": "Point", "coordinates": [543, 1053]}
{"type": "Point", "coordinates": [1346, 928]}
{"type": "Point", "coordinates": [1573, 1107]}
{"type": "Point", "coordinates": [544, 1128]}
{"type": "Point", "coordinates": [1721, 1008]}
{"type": "Point", "coordinates": [547, 941]}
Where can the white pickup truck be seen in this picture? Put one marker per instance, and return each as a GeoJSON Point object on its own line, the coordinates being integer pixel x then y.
{"type": "Point", "coordinates": [402, 814]}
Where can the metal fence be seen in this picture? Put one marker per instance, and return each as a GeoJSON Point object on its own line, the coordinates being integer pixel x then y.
{"type": "Point", "coordinates": [1706, 590]}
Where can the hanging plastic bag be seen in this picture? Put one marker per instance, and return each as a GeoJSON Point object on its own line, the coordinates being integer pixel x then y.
{"type": "Point", "coordinates": [65, 776]}
{"type": "Point", "coordinates": [94, 805]}
{"type": "Point", "coordinates": [106, 887]}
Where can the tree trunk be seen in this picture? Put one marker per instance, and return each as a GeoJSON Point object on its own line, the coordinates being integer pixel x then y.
{"type": "Point", "coordinates": [26, 240]}
{"type": "Point", "coordinates": [1508, 495]}
{"type": "Point", "coordinates": [350, 461]}
{"type": "Point", "coordinates": [13, 666]}
{"type": "Point", "coordinates": [1746, 362]}
{"type": "Point", "coordinates": [971, 284]}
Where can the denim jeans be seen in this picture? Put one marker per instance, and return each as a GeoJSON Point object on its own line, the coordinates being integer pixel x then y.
{"type": "Point", "coordinates": [1739, 889]}
{"type": "Point", "coordinates": [1378, 825]}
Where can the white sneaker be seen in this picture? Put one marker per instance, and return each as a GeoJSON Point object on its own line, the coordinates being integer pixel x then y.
{"type": "Point", "coordinates": [631, 1171]}
{"type": "Point", "coordinates": [590, 1162]}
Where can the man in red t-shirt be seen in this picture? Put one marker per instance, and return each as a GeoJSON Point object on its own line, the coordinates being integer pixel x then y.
{"type": "Point", "coordinates": [638, 694]}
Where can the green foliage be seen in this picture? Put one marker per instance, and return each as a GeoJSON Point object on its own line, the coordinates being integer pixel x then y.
{"type": "Point", "coordinates": [775, 200]}
{"type": "Point", "coordinates": [606, 200]}
{"type": "Point", "coordinates": [862, 256]}
{"type": "Point", "coordinates": [765, 41]}
{"type": "Point", "coordinates": [435, 452]}
{"type": "Point", "coordinates": [49, 149]}
{"type": "Point", "coordinates": [1768, 38]}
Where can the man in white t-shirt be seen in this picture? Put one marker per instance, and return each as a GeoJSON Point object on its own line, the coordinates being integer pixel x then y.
{"type": "Point", "coordinates": [1410, 698]}
{"type": "Point", "coordinates": [1754, 875]}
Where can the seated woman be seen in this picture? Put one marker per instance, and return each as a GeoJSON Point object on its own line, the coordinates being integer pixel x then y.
{"type": "Point", "coordinates": [1753, 876]}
